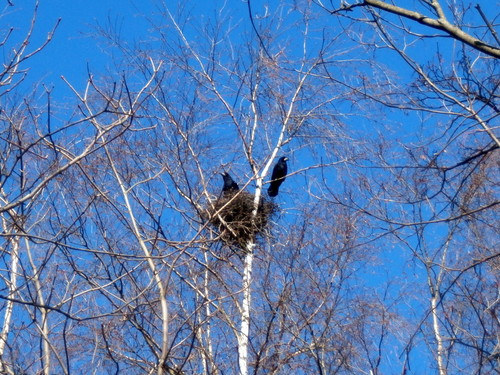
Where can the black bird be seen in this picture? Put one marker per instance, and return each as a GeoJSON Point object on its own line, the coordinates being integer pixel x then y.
{"type": "Point", "coordinates": [229, 185]}
{"type": "Point", "coordinates": [279, 173]}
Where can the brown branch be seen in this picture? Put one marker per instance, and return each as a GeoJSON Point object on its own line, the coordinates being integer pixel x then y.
{"type": "Point", "coordinates": [440, 23]}
{"type": "Point", "coordinates": [488, 23]}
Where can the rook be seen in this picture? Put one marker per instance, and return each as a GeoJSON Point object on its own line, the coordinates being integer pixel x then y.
{"type": "Point", "coordinates": [229, 185]}
{"type": "Point", "coordinates": [278, 176]}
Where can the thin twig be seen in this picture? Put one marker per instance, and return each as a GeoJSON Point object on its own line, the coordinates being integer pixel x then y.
{"type": "Point", "coordinates": [492, 30]}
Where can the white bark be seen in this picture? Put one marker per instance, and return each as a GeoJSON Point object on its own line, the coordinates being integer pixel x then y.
{"type": "Point", "coordinates": [152, 266]}
{"type": "Point", "coordinates": [437, 334]}
{"type": "Point", "coordinates": [9, 306]}
{"type": "Point", "coordinates": [435, 301]}
{"type": "Point", "coordinates": [44, 326]}
{"type": "Point", "coordinates": [243, 336]}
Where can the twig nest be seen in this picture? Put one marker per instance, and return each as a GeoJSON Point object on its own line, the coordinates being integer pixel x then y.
{"type": "Point", "coordinates": [232, 217]}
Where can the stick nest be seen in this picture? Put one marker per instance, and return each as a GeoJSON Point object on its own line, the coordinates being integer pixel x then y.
{"type": "Point", "coordinates": [231, 215]}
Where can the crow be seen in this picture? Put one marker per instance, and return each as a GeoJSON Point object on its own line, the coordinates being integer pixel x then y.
{"type": "Point", "coordinates": [278, 176]}
{"type": "Point", "coordinates": [229, 185]}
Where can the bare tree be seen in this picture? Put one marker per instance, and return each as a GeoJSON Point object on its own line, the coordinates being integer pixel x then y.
{"type": "Point", "coordinates": [435, 183]}
{"type": "Point", "coordinates": [118, 254]}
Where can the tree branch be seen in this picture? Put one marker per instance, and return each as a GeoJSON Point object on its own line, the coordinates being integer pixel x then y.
{"type": "Point", "coordinates": [440, 23]}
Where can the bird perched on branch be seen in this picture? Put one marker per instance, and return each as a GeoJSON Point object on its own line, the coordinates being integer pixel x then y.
{"type": "Point", "coordinates": [230, 186]}
{"type": "Point", "coordinates": [279, 173]}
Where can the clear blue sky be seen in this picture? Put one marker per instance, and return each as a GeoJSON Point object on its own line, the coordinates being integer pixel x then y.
{"type": "Point", "coordinates": [76, 44]}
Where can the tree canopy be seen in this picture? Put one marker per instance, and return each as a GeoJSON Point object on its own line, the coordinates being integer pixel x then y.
{"type": "Point", "coordinates": [122, 252]}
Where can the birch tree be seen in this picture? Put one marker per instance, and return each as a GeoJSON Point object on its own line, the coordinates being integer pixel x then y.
{"type": "Point", "coordinates": [445, 183]}
{"type": "Point", "coordinates": [379, 256]}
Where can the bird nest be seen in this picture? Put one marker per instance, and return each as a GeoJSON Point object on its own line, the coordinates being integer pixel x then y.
{"type": "Point", "coordinates": [232, 216]}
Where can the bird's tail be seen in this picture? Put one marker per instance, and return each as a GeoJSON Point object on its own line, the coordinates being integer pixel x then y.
{"type": "Point", "coordinates": [272, 191]}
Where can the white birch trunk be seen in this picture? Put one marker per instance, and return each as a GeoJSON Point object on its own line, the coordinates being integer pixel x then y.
{"type": "Point", "coordinates": [162, 356]}
{"type": "Point", "coordinates": [44, 328]}
{"type": "Point", "coordinates": [7, 318]}
{"type": "Point", "coordinates": [437, 335]}
{"type": "Point", "coordinates": [243, 336]}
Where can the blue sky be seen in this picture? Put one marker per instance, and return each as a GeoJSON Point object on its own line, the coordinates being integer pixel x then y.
{"type": "Point", "coordinates": [75, 43]}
